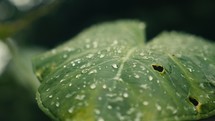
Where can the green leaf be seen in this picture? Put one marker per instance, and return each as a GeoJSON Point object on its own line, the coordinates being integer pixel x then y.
{"type": "Point", "coordinates": [107, 73]}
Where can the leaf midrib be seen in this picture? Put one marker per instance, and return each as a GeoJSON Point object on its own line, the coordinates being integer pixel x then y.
{"type": "Point", "coordinates": [124, 59]}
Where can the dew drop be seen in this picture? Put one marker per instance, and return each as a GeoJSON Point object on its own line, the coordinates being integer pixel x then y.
{"type": "Point", "coordinates": [125, 95]}
{"type": "Point", "coordinates": [68, 95]}
{"type": "Point", "coordinates": [100, 98]}
{"type": "Point", "coordinates": [130, 111]}
{"type": "Point", "coordinates": [73, 64]}
{"type": "Point", "coordinates": [119, 51]}
{"type": "Point", "coordinates": [84, 85]}
{"type": "Point", "coordinates": [57, 76]}
{"type": "Point", "coordinates": [83, 66]}
{"type": "Point", "coordinates": [158, 81]}
{"type": "Point", "coordinates": [120, 116]}
{"type": "Point", "coordinates": [144, 86]}
{"type": "Point", "coordinates": [80, 97]}
{"type": "Point", "coordinates": [145, 57]}
{"type": "Point", "coordinates": [104, 86]}
{"type": "Point", "coordinates": [62, 80]}
{"type": "Point", "coordinates": [114, 65]}
{"type": "Point", "coordinates": [93, 86]}
{"type": "Point", "coordinates": [134, 65]}
{"type": "Point", "coordinates": [50, 96]}
{"type": "Point", "coordinates": [142, 54]}
{"type": "Point", "coordinates": [84, 71]}
{"type": "Point", "coordinates": [143, 68]}
{"type": "Point", "coordinates": [190, 70]}
{"type": "Point", "coordinates": [138, 116]}
{"type": "Point", "coordinates": [53, 51]}
{"type": "Point", "coordinates": [145, 103]}
{"type": "Point", "coordinates": [87, 46]}
{"type": "Point", "coordinates": [136, 76]}
{"type": "Point", "coordinates": [93, 71]}
{"type": "Point", "coordinates": [90, 56]}
{"type": "Point", "coordinates": [65, 56]}
{"type": "Point", "coordinates": [102, 56]}
{"type": "Point", "coordinates": [97, 111]}
{"type": "Point", "coordinates": [57, 104]}
{"type": "Point", "coordinates": [178, 94]}
{"type": "Point", "coordinates": [95, 44]}
{"type": "Point", "coordinates": [87, 40]}
{"type": "Point", "coordinates": [79, 61]}
{"type": "Point", "coordinates": [109, 107]}
{"type": "Point", "coordinates": [202, 85]}
{"type": "Point", "coordinates": [78, 76]}
{"type": "Point", "coordinates": [47, 89]}
{"type": "Point", "coordinates": [115, 42]}
{"type": "Point", "coordinates": [100, 119]}
{"type": "Point", "coordinates": [71, 110]}
{"type": "Point", "coordinates": [158, 107]}
{"type": "Point", "coordinates": [69, 49]}
{"type": "Point", "coordinates": [150, 78]}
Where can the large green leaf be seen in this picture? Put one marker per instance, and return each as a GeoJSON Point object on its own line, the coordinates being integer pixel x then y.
{"type": "Point", "coordinates": [107, 73]}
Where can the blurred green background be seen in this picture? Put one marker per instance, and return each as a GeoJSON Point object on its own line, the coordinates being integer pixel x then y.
{"type": "Point", "coordinates": [29, 27]}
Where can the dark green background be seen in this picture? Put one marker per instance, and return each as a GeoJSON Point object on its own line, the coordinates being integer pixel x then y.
{"type": "Point", "coordinates": [72, 16]}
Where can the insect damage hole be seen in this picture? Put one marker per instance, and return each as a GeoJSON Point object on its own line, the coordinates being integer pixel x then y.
{"type": "Point", "coordinates": [158, 68]}
{"type": "Point", "coordinates": [193, 101]}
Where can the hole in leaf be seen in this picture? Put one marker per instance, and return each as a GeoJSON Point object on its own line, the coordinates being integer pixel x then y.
{"type": "Point", "coordinates": [158, 68]}
{"type": "Point", "coordinates": [193, 101]}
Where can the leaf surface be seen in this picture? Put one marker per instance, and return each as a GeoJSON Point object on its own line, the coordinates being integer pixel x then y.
{"type": "Point", "coordinates": [109, 73]}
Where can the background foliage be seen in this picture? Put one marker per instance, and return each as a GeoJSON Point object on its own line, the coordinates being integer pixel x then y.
{"type": "Point", "coordinates": [47, 23]}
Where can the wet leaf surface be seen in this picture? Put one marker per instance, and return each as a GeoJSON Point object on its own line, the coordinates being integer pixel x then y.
{"type": "Point", "coordinates": [108, 73]}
